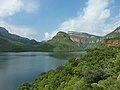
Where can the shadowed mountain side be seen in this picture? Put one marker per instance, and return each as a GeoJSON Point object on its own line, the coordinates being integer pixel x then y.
{"type": "Point", "coordinates": [4, 33]}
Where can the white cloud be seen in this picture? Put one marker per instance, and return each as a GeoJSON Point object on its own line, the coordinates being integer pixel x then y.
{"type": "Point", "coordinates": [49, 36]}
{"type": "Point", "coordinates": [31, 6]}
{"type": "Point", "coordinates": [9, 8]}
{"type": "Point", "coordinates": [92, 20]}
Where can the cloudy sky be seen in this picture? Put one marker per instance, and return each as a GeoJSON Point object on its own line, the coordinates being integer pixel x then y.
{"type": "Point", "coordinates": [42, 19]}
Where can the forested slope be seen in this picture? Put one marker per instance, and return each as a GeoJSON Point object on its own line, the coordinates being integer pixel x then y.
{"type": "Point", "coordinates": [97, 70]}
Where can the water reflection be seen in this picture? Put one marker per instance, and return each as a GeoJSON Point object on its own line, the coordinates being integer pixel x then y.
{"type": "Point", "coordinates": [67, 55]}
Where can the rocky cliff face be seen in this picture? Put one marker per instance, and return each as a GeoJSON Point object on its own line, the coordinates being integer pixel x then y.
{"type": "Point", "coordinates": [113, 43]}
{"type": "Point", "coordinates": [117, 30]}
{"type": "Point", "coordinates": [113, 38]}
{"type": "Point", "coordinates": [84, 40]}
{"type": "Point", "coordinates": [77, 37]}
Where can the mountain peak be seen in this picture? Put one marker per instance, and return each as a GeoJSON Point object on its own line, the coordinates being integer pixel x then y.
{"type": "Point", "coordinates": [61, 34]}
{"type": "Point", "coordinates": [3, 30]}
{"type": "Point", "coordinates": [115, 33]}
{"type": "Point", "coordinates": [5, 34]}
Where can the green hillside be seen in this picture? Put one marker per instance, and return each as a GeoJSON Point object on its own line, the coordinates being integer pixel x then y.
{"type": "Point", "coordinates": [62, 42]}
{"type": "Point", "coordinates": [14, 43]}
{"type": "Point", "coordinates": [9, 45]}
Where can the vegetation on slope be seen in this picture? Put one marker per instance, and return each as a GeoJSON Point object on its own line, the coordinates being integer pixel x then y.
{"type": "Point", "coordinates": [9, 45]}
{"type": "Point", "coordinates": [96, 70]}
{"type": "Point", "coordinates": [71, 41]}
{"type": "Point", "coordinates": [62, 42]}
{"type": "Point", "coordinates": [114, 38]}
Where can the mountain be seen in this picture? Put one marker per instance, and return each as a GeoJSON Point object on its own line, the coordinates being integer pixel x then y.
{"type": "Point", "coordinates": [9, 45]}
{"type": "Point", "coordinates": [115, 33]}
{"type": "Point", "coordinates": [87, 41]}
{"type": "Point", "coordinates": [78, 41]}
{"type": "Point", "coordinates": [74, 41]}
{"type": "Point", "coordinates": [4, 33]}
{"type": "Point", "coordinates": [12, 42]}
{"type": "Point", "coordinates": [84, 40]}
{"type": "Point", "coordinates": [60, 42]}
{"type": "Point", "coordinates": [71, 41]}
{"type": "Point", "coordinates": [113, 38]}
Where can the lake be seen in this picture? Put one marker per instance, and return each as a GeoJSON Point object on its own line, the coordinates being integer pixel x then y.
{"type": "Point", "coordinates": [16, 68]}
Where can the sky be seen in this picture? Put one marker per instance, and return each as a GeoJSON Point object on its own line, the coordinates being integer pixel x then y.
{"type": "Point", "coordinates": [42, 19]}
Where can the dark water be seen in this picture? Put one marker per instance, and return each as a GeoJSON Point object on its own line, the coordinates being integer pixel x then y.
{"type": "Point", "coordinates": [16, 68]}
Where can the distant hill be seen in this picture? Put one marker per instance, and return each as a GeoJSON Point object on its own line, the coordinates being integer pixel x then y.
{"type": "Point", "coordinates": [9, 45]}
{"type": "Point", "coordinates": [4, 33]}
{"type": "Point", "coordinates": [12, 42]}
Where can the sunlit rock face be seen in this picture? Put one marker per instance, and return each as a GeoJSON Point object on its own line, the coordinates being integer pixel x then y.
{"type": "Point", "coordinates": [113, 38]}
{"type": "Point", "coordinates": [84, 40]}
{"type": "Point", "coordinates": [118, 29]}
{"type": "Point", "coordinates": [112, 43]}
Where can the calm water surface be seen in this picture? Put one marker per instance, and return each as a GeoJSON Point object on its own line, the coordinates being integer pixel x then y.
{"type": "Point", "coordinates": [16, 68]}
